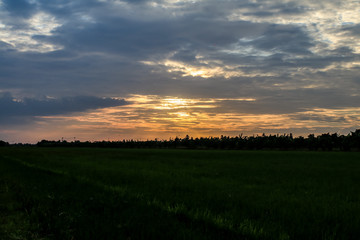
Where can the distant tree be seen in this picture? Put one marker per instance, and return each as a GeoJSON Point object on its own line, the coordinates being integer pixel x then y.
{"type": "Point", "coordinates": [312, 143]}
{"type": "Point", "coordinates": [325, 142]}
{"type": "Point", "coordinates": [355, 139]}
{"type": "Point", "coordinates": [3, 143]}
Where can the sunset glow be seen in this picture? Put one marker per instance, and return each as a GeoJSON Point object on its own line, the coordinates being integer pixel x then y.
{"type": "Point", "coordinates": [152, 116]}
{"type": "Point", "coordinates": [114, 70]}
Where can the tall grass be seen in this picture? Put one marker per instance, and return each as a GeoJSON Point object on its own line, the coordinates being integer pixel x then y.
{"type": "Point", "coordinates": [181, 194]}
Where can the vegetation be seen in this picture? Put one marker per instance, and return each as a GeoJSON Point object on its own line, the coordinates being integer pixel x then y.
{"type": "Point", "coordinates": [94, 193]}
{"type": "Point", "coordinates": [325, 142]}
{"type": "Point", "coordinates": [3, 143]}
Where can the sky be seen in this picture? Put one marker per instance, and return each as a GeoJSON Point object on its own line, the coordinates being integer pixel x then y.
{"type": "Point", "coordinates": [143, 69]}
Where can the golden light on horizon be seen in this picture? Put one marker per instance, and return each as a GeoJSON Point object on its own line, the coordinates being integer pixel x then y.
{"type": "Point", "coordinates": [152, 116]}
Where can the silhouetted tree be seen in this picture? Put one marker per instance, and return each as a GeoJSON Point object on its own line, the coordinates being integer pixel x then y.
{"type": "Point", "coordinates": [3, 143]}
{"type": "Point", "coordinates": [325, 142]}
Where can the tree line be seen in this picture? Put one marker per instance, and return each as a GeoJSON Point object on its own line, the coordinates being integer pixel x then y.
{"type": "Point", "coordinates": [323, 142]}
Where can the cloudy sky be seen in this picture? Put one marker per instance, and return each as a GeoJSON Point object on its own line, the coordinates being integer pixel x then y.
{"type": "Point", "coordinates": [144, 69]}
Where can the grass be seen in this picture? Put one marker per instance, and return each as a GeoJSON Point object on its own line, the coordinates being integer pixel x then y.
{"type": "Point", "coordinates": [76, 193]}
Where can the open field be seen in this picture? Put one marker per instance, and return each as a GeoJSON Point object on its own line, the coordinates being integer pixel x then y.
{"type": "Point", "coordinates": [79, 193]}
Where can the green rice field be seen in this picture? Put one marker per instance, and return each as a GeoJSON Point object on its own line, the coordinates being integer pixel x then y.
{"type": "Point", "coordinates": [93, 193]}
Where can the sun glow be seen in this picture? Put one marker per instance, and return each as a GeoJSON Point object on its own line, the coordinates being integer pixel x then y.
{"type": "Point", "coordinates": [205, 69]}
{"type": "Point", "coordinates": [182, 114]}
{"type": "Point", "coordinates": [174, 103]}
{"type": "Point", "coordinates": [154, 116]}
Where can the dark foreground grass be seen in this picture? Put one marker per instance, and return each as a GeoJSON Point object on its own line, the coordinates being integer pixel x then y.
{"type": "Point", "coordinates": [55, 193]}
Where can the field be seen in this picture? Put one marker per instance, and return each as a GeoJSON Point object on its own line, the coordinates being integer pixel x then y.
{"type": "Point", "coordinates": [89, 193]}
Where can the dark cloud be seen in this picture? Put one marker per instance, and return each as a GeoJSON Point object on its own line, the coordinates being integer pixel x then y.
{"type": "Point", "coordinates": [4, 46]}
{"type": "Point", "coordinates": [289, 101]}
{"type": "Point", "coordinates": [48, 106]}
{"type": "Point", "coordinates": [291, 9]}
{"type": "Point", "coordinates": [108, 50]}
{"type": "Point", "coordinates": [144, 39]}
{"type": "Point", "coordinates": [319, 118]}
{"type": "Point", "coordinates": [274, 9]}
{"type": "Point", "coordinates": [66, 9]}
{"type": "Point", "coordinates": [288, 39]}
{"type": "Point", "coordinates": [353, 29]}
{"type": "Point", "coordinates": [101, 47]}
{"type": "Point", "coordinates": [19, 8]}
{"type": "Point", "coordinates": [138, 1]}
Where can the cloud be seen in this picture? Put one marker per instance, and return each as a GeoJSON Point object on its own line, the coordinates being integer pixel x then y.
{"type": "Point", "coordinates": [353, 30]}
{"type": "Point", "coordinates": [290, 56]}
{"type": "Point", "coordinates": [284, 39]}
{"type": "Point", "coordinates": [30, 107]}
{"type": "Point", "coordinates": [19, 8]}
{"type": "Point", "coordinates": [320, 118]}
{"type": "Point", "coordinates": [24, 27]}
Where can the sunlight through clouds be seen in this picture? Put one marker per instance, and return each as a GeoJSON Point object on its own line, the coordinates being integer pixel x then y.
{"type": "Point", "coordinates": [23, 40]}
{"type": "Point", "coordinates": [206, 69]}
{"type": "Point", "coordinates": [321, 19]}
{"type": "Point", "coordinates": [192, 67]}
{"type": "Point", "coordinates": [172, 116]}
